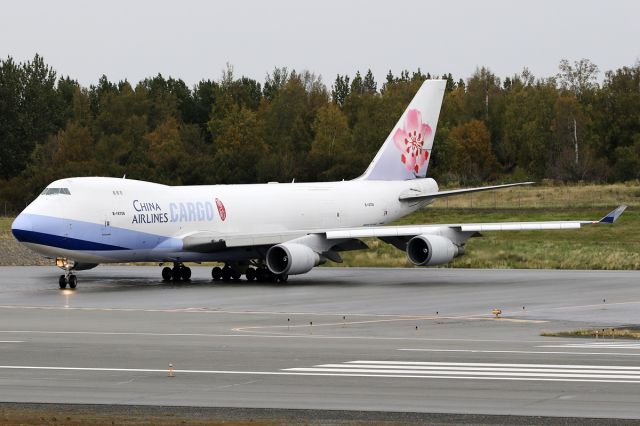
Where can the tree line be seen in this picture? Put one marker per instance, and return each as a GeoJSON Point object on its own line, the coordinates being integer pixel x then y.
{"type": "Point", "coordinates": [567, 127]}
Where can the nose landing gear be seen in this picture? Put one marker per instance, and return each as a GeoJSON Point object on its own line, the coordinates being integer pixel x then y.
{"type": "Point", "coordinates": [68, 279]}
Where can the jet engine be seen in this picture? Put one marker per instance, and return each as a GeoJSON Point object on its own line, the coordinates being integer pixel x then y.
{"type": "Point", "coordinates": [428, 250]}
{"type": "Point", "coordinates": [291, 259]}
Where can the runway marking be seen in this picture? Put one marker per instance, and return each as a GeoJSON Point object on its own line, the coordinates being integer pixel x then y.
{"type": "Point", "coordinates": [561, 372]}
{"type": "Point", "coordinates": [402, 364]}
{"type": "Point", "coordinates": [204, 310]}
{"type": "Point", "coordinates": [598, 305]}
{"type": "Point", "coordinates": [411, 318]}
{"type": "Point", "coordinates": [382, 371]}
{"type": "Point", "coordinates": [470, 317]}
{"type": "Point", "coordinates": [11, 341]}
{"type": "Point", "coordinates": [519, 352]}
{"type": "Point", "coordinates": [263, 336]}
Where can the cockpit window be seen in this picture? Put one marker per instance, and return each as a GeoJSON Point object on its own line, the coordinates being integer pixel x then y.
{"type": "Point", "coordinates": [56, 191]}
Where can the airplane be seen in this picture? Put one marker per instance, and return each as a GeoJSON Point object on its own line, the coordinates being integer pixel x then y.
{"type": "Point", "coordinates": [262, 231]}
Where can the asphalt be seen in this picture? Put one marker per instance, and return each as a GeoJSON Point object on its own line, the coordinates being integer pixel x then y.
{"type": "Point", "coordinates": [394, 340]}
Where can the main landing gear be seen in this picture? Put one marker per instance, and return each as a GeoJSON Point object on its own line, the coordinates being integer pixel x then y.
{"type": "Point", "coordinates": [234, 272]}
{"type": "Point", "coordinates": [177, 273]}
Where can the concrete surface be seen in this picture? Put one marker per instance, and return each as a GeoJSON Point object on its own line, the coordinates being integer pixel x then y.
{"type": "Point", "coordinates": [397, 340]}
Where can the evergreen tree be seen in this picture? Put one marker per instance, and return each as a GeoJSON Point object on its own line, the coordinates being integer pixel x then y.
{"type": "Point", "coordinates": [369, 85]}
{"type": "Point", "coordinates": [340, 90]}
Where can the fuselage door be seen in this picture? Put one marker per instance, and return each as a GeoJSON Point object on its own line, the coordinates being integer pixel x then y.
{"type": "Point", "coordinates": [106, 228]}
{"type": "Point", "coordinates": [331, 214]}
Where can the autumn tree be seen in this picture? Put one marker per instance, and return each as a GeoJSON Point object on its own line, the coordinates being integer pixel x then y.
{"type": "Point", "coordinates": [579, 77]}
{"type": "Point", "coordinates": [473, 158]}
{"type": "Point", "coordinates": [239, 147]}
{"type": "Point", "coordinates": [331, 152]}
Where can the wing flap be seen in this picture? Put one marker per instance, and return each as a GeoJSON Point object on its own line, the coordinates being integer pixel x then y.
{"type": "Point", "coordinates": [519, 226]}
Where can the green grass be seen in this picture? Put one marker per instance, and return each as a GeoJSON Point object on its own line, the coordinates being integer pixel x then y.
{"type": "Point", "coordinates": [5, 227]}
{"type": "Point", "coordinates": [605, 333]}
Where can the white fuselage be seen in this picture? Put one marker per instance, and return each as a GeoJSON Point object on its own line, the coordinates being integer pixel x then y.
{"type": "Point", "coordinates": [121, 220]}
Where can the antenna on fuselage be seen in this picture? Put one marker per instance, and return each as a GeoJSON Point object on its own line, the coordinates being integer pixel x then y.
{"type": "Point", "coordinates": [124, 176]}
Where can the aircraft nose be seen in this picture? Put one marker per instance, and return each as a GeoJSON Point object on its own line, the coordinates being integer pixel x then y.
{"type": "Point", "coordinates": [21, 226]}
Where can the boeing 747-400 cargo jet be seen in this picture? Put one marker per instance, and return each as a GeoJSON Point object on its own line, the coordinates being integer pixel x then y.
{"type": "Point", "coordinates": [262, 231]}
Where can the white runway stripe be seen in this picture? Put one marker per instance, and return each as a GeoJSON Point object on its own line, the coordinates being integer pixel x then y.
{"type": "Point", "coordinates": [395, 374]}
{"type": "Point", "coordinates": [492, 364]}
{"type": "Point", "coordinates": [562, 372]}
{"type": "Point", "coordinates": [456, 372]}
{"type": "Point", "coordinates": [522, 352]}
{"type": "Point", "coordinates": [400, 368]}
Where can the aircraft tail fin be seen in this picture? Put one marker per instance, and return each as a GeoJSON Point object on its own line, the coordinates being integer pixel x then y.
{"type": "Point", "coordinates": [406, 152]}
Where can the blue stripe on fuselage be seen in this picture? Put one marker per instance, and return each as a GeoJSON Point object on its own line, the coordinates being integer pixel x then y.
{"type": "Point", "coordinates": [61, 242]}
{"type": "Point", "coordinates": [86, 236]}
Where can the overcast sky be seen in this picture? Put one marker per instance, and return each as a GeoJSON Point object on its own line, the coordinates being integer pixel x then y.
{"type": "Point", "coordinates": [193, 39]}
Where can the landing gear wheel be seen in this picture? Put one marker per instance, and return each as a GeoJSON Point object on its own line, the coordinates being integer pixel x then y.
{"type": "Point", "coordinates": [226, 273]}
{"type": "Point", "coordinates": [262, 274]}
{"type": "Point", "coordinates": [250, 274]}
{"type": "Point", "coordinates": [73, 281]}
{"type": "Point", "coordinates": [166, 274]}
{"type": "Point", "coordinates": [62, 282]}
{"type": "Point", "coordinates": [216, 273]}
{"type": "Point", "coordinates": [281, 278]}
{"type": "Point", "coordinates": [185, 273]}
{"type": "Point", "coordinates": [175, 274]}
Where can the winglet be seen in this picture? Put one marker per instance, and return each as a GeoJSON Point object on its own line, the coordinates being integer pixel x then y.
{"type": "Point", "coordinates": [614, 215]}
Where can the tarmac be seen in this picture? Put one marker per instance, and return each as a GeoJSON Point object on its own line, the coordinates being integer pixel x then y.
{"type": "Point", "coordinates": [355, 339]}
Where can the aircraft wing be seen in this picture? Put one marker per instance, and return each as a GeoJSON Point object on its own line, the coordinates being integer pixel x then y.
{"type": "Point", "coordinates": [207, 242]}
{"type": "Point", "coordinates": [413, 230]}
{"type": "Point", "coordinates": [412, 194]}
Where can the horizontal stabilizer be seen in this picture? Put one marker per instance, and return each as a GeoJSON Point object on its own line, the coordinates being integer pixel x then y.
{"type": "Point", "coordinates": [414, 195]}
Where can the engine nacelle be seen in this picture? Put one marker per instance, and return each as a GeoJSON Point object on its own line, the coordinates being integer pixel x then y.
{"type": "Point", "coordinates": [428, 250]}
{"type": "Point", "coordinates": [291, 259]}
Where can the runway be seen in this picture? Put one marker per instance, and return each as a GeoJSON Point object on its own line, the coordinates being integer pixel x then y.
{"type": "Point", "coordinates": [411, 340]}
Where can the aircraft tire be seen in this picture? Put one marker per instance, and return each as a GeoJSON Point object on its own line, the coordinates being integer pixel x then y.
{"type": "Point", "coordinates": [73, 281]}
{"type": "Point", "coordinates": [166, 273]}
{"type": "Point", "coordinates": [250, 274]}
{"type": "Point", "coordinates": [262, 274]}
{"type": "Point", "coordinates": [216, 273]}
{"type": "Point", "coordinates": [62, 282]}
{"type": "Point", "coordinates": [226, 273]}
{"type": "Point", "coordinates": [175, 274]}
{"type": "Point", "coordinates": [185, 273]}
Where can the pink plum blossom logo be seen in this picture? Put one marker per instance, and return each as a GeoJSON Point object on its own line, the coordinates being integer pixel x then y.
{"type": "Point", "coordinates": [221, 210]}
{"type": "Point", "coordinates": [411, 139]}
